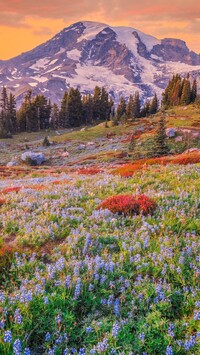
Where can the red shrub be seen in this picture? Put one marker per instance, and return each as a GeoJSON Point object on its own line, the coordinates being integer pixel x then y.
{"type": "Point", "coordinates": [89, 171]}
{"type": "Point", "coordinates": [129, 204]}
{"type": "Point", "coordinates": [11, 189]}
{"type": "Point", "coordinates": [2, 201]}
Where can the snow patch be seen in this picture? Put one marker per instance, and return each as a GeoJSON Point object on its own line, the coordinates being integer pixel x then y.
{"type": "Point", "coordinates": [74, 54]}
{"type": "Point", "coordinates": [91, 30]}
{"type": "Point", "coordinates": [40, 64]}
{"type": "Point", "coordinates": [33, 84]}
{"type": "Point", "coordinates": [41, 79]}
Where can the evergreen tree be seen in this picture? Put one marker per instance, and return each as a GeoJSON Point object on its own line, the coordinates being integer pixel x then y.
{"type": "Point", "coordinates": [153, 105]}
{"type": "Point", "coordinates": [54, 117]}
{"type": "Point", "coordinates": [161, 148]}
{"type": "Point", "coordinates": [64, 112]}
{"type": "Point", "coordinates": [43, 110]}
{"type": "Point", "coordinates": [97, 103]}
{"type": "Point", "coordinates": [75, 108]}
{"type": "Point", "coordinates": [130, 108]}
{"type": "Point", "coordinates": [194, 91]}
{"type": "Point", "coordinates": [4, 116]}
{"type": "Point", "coordinates": [12, 113]}
{"type": "Point", "coordinates": [136, 105]}
{"type": "Point", "coordinates": [87, 109]}
{"type": "Point", "coordinates": [132, 144]}
{"type": "Point", "coordinates": [186, 93]}
{"type": "Point", "coordinates": [121, 109]}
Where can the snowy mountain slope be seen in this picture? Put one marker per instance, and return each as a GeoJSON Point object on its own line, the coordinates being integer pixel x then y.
{"type": "Point", "coordinates": [86, 54]}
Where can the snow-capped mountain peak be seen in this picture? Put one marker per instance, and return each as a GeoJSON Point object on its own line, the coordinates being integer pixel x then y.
{"type": "Point", "coordinates": [88, 53]}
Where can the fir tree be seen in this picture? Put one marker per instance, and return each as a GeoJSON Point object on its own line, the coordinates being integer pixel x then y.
{"type": "Point", "coordinates": [186, 93]}
{"type": "Point", "coordinates": [54, 117]}
{"type": "Point", "coordinates": [153, 105]}
{"type": "Point", "coordinates": [161, 148]}
{"type": "Point", "coordinates": [12, 113]}
{"type": "Point", "coordinates": [194, 91]}
{"type": "Point", "coordinates": [136, 105]}
{"type": "Point", "coordinates": [64, 111]}
{"type": "Point", "coordinates": [87, 109]}
{"type": "Point", "coordinates": [75, 108]}
{"type": "Point", "coordinates": [129, 108]}
{"type": "Point", "coordinates": [4, 116]}
{"type": "Point", "coordinates": [43, 110]}
{"type": "Point", "coordinates": [97, 103]}
{"type": "Point", "coordinates": [121, 109]}
{"type": "Point", "coordinates": [132, 144]}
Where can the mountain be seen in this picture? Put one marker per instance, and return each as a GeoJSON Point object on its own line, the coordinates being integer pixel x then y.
{"type": "Point", "coordinates": [86, 54]}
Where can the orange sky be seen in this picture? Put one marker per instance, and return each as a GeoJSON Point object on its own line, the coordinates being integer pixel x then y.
{"type": "Point", "coordinates": [27, 23]}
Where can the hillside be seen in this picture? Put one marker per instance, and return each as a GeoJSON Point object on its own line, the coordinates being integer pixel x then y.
{"type": "Point", "coordinates": [106, 145]}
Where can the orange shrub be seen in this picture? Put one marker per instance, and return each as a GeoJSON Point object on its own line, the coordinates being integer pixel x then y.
{"type": "Point", "coordinates": [129, 204]}
{"type": "Point", "coordinates": [182, 159]}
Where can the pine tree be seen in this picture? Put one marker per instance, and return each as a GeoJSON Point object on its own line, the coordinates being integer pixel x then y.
{"type": "Point", "coordinates": [54, 117]}
{"type": "Point", "coordinates": [121, 109]}
{"type": "Point", "coordinates": [136, 105]}
{"type": "Point", "coordinates": [97, 103]}
{"type": "Point", "coordinates": [43, 110]}
{"type": "Point", "coordinates": [153, 105]}
{"type": "Point", "coordinates": [132, 144]}
{"type": "Point", "coordinates": [161, 148]}
{"type": "Point", "coordinates": [64, 112]}
{"type": "Point", "coordinates": [87, 109]}
{"type": "Point", "coordinates": [194, 91]}
{"type": "Point", "coordinates": [12, 113]}
{"type": "Point", "coordinates": [186, 93]}
{"type": "Point", "coordinates": [129, 108]}
{"type": "Point", "coordinates": [75, 108]}
{"type": "Point", "coordinates": [4, 117]}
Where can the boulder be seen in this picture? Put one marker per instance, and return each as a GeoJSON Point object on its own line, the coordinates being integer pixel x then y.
{"type": "Point", "coordinates": [171, 132]}
{"type": "Point", "coordinates": [12, 163]}
{"type": "Point", "coordinates": [179, 139]}
{"type": "Point", "coordinates": [192, 150]}
{"type": "Point", "coordinates": [33, 158]}
{"type": "Point", "coordinates": [81, 146]}
{"type": "Point", "coordinates": [65, 154]}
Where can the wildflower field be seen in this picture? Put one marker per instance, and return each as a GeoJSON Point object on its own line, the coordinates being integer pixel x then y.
{"type": "Point", "coordinates": [77, 277]}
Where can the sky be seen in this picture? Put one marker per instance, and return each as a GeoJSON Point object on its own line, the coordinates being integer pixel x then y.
{"type": "Point", "coordinates": [24, 24]}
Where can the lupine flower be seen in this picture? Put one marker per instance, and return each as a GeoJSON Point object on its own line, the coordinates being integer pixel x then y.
{"type": "Point", "coordinates": [115, 329]}
{"type": "Point", "coordinates": [17, 347]}
{"type": "Point", "coordinates": [169, 350]}
{"type": "Point", "coordinates": [7, 336]}
{"type": "Point", "coordinates": [17, 316]}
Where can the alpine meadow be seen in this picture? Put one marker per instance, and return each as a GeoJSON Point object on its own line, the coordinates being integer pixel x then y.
{"type": "Point", "coordinates": [99, 178]}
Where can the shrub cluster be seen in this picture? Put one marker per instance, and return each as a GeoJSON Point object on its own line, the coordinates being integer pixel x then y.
{"type": "Point", "coordinates": [129, 204]}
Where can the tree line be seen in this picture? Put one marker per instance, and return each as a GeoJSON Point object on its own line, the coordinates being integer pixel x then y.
{"type": "Point", "coordinates": [133, 108]}
{"type": "Point", "coordinates": [37, 112]}
{"type": "Point", "coordinates": [179, 92]}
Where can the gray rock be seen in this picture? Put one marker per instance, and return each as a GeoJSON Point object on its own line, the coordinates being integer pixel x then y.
{"type": "Point", "coordinates": [171, 132]}
{"type": "Point", "coordinates": [81, 146]}
{"type": "Point", "coordinates": [179, 139]}
{"type": "Point", "coordinates": [12, 163]}
{"type": "Point", "coordinates": [33, 158]}
{"type": "Point", "coordinates": [192, 150]}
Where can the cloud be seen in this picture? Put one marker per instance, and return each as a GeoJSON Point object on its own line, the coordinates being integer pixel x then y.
{"type": "Point", "coordinates": [43, 31]}
{"type": "Point", "coordinates": [161, 18]}
{"type": "Point", "coordinates": [113, 9]}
